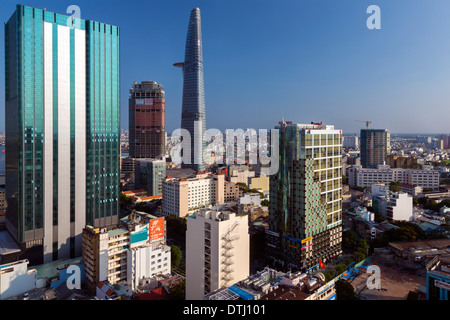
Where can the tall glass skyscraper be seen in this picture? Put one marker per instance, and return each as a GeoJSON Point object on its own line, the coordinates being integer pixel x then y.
{"type": "Point", "coordinates": [62, 128]}
{"type": "Point", "coordinates": [305, 218]}
{"type": "Point", "coordinates": [193, 117]}
{"type": "Point", "coordinates": [375, 147]}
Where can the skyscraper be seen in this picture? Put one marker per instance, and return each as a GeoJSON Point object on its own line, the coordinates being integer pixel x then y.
{"type": "Point", "coordinates": [375, 147]}
{"type": "Point", "coordinates": [305, 218]}
{"type": "Point", "coordinates": [193, 117]}
{"type": "Point", "coordinates": [62, 127]}
{"type": "Point", "coordinates": [146, 120]}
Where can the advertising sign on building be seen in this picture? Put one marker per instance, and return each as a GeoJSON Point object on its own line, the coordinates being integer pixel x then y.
{"type": "Point", "coordinates": [142, 102]}
{"type": "Point", "coordinates": [139, 236]}
{"type": "Point", "coordinates": [443, 285]}
{"type": "Point", "coordinates": [156, 229]}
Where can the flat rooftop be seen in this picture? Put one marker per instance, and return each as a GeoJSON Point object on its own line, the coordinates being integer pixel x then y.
{"type": "Point", "coordinates": [422, 245]}
{"type": "Point", "coordinates": [51, 270]}
{"type": "Point", "coordinates": [7, 244]}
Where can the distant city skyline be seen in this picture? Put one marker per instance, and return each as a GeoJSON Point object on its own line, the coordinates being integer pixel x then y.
{"type": "Point", "coordinates": [301, 60]}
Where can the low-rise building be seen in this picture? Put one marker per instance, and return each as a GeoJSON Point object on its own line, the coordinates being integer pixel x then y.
{"type": "Point", "coordinates": [16, 279]}
{"type": "Point", "coordinates": [438, 278]}
{"type": "Point", "coordinates": [270, 284]}
{"type": "Point", "coordinates": [362, 177]}
{"type": "Point", "coordinates": [411, 189]}
{"type": "Point", "coordinates": [240, 174]}
{"type": "Point", "coordinates": [260, 183]}
{"type": "Point", "coordinates": [134, 250]}
{"type": "Point", "coordinates": [400, 207]}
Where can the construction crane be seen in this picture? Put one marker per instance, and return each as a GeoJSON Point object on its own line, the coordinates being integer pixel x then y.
{"type": "Point", "coordinates": [367, 122]}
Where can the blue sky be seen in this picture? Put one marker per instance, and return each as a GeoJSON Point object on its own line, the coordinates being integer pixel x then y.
{"type": "Point", "coordinates": [306, 60]}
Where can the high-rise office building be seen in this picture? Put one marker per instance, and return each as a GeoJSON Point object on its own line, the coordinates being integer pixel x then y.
{"type": "Point", "coordinates": [305, 218]}
{"type": "Point", "coordinates": [146, 120]}
{"type": "Point", "coordinates": [193, 117]}
{"type": "Point", "coordinates": [375, 147]}
{"type": "Point", "coordinates": [62, 127]}
{"type": "Point", "coordinates": [149, 174]}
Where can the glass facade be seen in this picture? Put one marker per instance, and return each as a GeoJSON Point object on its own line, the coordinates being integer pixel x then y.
{"type": "Point", "coordinates": [375, 147]}
{"type": "Point", "coordinates": [193, 105]}
{"type": "Point", "coordinates": [306, 196]}
{"type": "Point", "coordinates": [62, 125]}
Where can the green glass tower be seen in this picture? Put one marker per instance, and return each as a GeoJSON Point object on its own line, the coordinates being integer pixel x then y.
{"type": "Point", "coordinates": [375, 147]}
{"type": "Point", "coordinates": [62, 127]}
{"type": "Point", "coordinates": [305, 218]}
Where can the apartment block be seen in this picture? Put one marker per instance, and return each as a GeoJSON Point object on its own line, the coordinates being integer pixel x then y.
{"type": "Point", "coordinates": [126, 254]}
{"type": "Point", "coordinates": [217, 251]}
{"type": "Point", "coordinates": [361, 177]}
{"type": "Point", "coordinates": [183, 195]}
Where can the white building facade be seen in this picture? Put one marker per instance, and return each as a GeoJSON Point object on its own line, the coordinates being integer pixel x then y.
{"type": "Point", "coordinates": [182, 196]}
{"type": "Point", "coordinates": [361, 177]}
{"type": "Point", "coordinates": [217, 251]}
{"type": "Point", "coordinates": [400, 207]}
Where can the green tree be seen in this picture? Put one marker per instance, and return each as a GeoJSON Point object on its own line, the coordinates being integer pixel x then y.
{"type": "Point", "coordinates": [349, 239]}
{"type": "Point", "coordinates": [124, 200]}
{"type": "Point", "coordinates": [265, 203]}
{"type": "Point", "coordinates": [340, 268]}
{"type": "Point", "coordinates": [178, 292]}
{"type": "Point", "coordinates": [359, 256]}
{"type": "Point", "coordinates": [175, 255]}
{"type": "Point", "coordinates": [344, 290]}
{"type": "Point", "coordinates": [330, 275]}
{"type": "Point", "coordinates": [379, 218]}
{"type": "Point", "coordinates": [394, 186]}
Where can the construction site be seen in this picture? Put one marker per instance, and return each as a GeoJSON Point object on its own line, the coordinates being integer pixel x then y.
{"type": "Point", "coordinates": [396, 282]}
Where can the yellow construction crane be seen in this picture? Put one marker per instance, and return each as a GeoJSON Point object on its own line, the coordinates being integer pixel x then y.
{"type": "Point", "coordinates": [367, 122]}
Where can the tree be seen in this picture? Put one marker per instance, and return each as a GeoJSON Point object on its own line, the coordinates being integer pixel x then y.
{"type": "Point", "coordinates": [344, 290]}
{"type": "Point", "coordinates": [349, 239]}
{"type": "Point", "coordinates": [178, 292]}
{"type": "Point", "coordinates": [176, 228]}
{"type": "Point", "coordinates": [265, 203]}
{"type": "Point", "coordinates": [423, 200]}
{"type": "Point", "coordinates": [340, 268]}
{"type": "Point", "coordinates": [329, 275]}
{"type": "Point", "coordinates": [394, 186]}
{"type": "Point", "coordinates": [363, 245]}
{"type": "Point", "coordinates": [379, 218]}
{"type": "Point", "coordinates": [124, 200]}
{"type": "Point", "coordinates": [175, 255]}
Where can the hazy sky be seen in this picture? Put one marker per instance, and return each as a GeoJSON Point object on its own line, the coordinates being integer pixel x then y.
{"type": "Point", "coordinates": [306, 60]}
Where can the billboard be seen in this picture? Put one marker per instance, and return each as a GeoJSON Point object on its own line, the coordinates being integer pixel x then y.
{"type": "Point", "coordinates": [157, 229]}
{"type": "Point", "coordinates": [142, 102]}
{"type": "Point", "coordinates": [139, 236]}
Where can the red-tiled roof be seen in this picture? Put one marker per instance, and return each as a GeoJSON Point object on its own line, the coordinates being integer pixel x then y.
{"type": "Point", "coordinates": [155, 294]}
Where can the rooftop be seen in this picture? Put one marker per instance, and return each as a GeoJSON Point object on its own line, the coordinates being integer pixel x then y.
{"type": "Point", "coordinates": [7, 244]}
{"type": "Point", "coordinates": [51, 270]}
{"type": "Point", "coordinates": [422, 245]}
